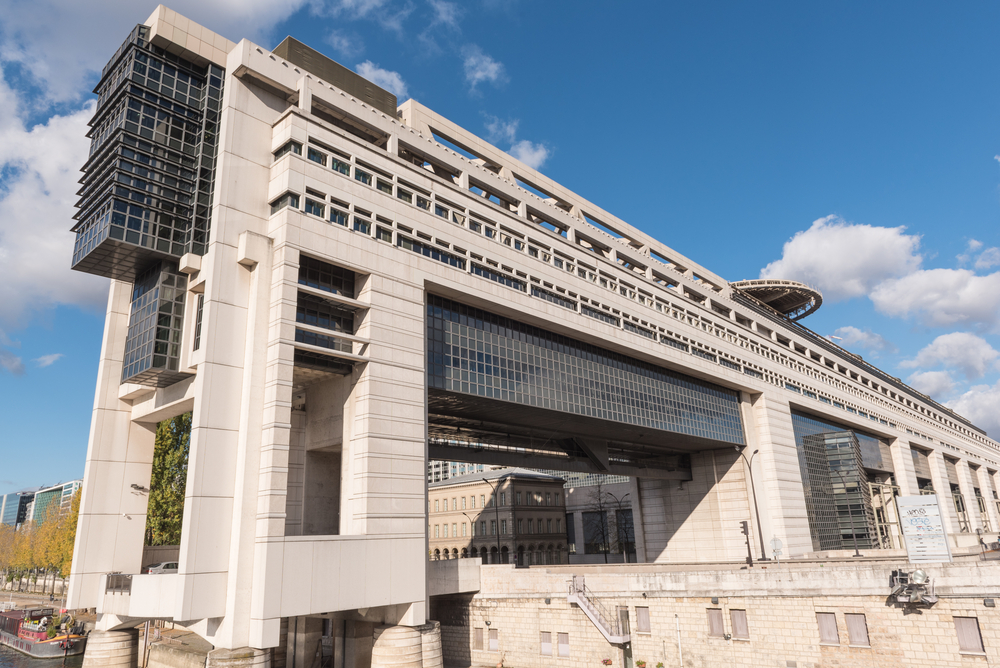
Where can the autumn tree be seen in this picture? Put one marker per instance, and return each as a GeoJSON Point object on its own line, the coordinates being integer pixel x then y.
{"type": "Point", "coordinates": [165, 512]}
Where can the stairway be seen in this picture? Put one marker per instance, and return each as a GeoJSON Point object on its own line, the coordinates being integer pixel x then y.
{"type": "Point", "coordinates": [606, 621]}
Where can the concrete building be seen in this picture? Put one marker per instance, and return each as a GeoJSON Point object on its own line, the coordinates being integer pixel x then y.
{"type": "Point", "coordinates": [438, 470]}
{"type": "Point", "coordinates": [342, 289]}
{"type": "Point", "coordinates": [503, 516]}
{"type": "Point", "coordinates": [600, 521]}
{"type": "Point", "coordinates": [14, 507]}
{"type": "Point", "coordinates": [57, 497]}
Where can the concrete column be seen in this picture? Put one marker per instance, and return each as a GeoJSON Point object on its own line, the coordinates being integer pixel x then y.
{"type": "Point", "coordinates": [119, 453]}
{"type": "Point", "coordinates": [244, 657]}
{"type": "Point", "coordinates": [902, 466]}
{"type": "Point", "coordinates": [985, 483]}
{"type": "Point", "coordinates": [111, 649]}
{"type": "Point", "coordinates": [965, 483]}
{"type": "Point", "coordinates": [939, 476]}
{"type": "Point", "coordinates": [637, 521]}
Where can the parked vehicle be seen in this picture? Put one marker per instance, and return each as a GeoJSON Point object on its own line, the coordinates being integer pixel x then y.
{"type": "Point", "coordinates": [164, 567]}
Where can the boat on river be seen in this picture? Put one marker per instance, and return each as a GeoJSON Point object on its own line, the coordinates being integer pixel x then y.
{"type": "Point", "coordinates": [27, 631]}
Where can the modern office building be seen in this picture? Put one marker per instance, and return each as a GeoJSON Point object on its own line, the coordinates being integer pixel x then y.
{"type": "Point", "coordinates": [504, 516]}
{"type": "Point", "coordinates": [438, 470]}
{"type": "Point", "coordinates": [14, 506]}
{"type": "Point", "coordinates": [57, 498]}
{"type": "Point", "coordinates": [342, 289]}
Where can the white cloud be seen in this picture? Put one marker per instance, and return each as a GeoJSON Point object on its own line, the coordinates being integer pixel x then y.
{"type": "Point", "coordinates": [531, 154]}
{"type": "Point", "coordinates": [942, 297]}
{"type": "Point", "coordinates": [36, 209]}
{"type": "Point", "coordinates": [64, 43]}
{"type": "Point", "coordinates": [344, 44]}
{"type": "Point", "coordinates": [11, 363]}
{"type": "Point", "coordinates": [47, 360]}
{"type": "Point", "coordinates": [867, 339]}
{"type": "Point", "coordinates": [480, 67]}
{"type": "Point", "coordinates": [391, 81]}
{"type": "Point", "coordinates": [845, 260]}
{"type": "Point", "coordinates": [932, 383]}
{"type": "Point", "coordinates": [988, 258]}
{"type": "Point", "coordinates": [498, 130]}
{"type": "Point", "coordinates": [968, 353]}
{"type": "Point", "coordinates": [446, 13]}
{"type": "Point", "coordinates": [981, 405]}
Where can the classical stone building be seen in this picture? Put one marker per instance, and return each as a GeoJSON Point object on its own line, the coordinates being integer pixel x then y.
{"type": "Point", "coordinates": [501, 516]}
{"type": "Point", "coordinates": [342, 289]}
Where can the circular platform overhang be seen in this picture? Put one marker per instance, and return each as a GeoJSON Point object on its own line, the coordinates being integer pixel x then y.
{"type": "Point", "coordinates": [792, 299]}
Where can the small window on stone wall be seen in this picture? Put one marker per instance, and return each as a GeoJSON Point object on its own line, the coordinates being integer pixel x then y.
{"type": "Point", "coordinates": [715, 625]}
{"type": "Point", "coordinates": [969, 637]}
{"type": "Point", "coordinates": [857, 630]}
{"type": "Point", "coordinates": [494, 640]}
{"type": "Point", "coordinates": [828, 634]}
{"type": "Point", "coordinates": [741, 629]}
{"type": "Point", "coordinates": [563, 644]}
{"type": "Point", "coordinates": [642, 620]}
{"type": "Point", "coordinates": [546, 641]}
{"type": "Point", "coordinates": [477, 638]}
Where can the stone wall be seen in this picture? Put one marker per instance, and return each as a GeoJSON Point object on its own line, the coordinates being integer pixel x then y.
{"type": "Point", "coordinates": [780, 605]}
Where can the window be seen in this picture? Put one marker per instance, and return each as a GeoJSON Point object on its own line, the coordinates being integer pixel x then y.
{"type": "Point", "coordinates": [969, 637]}
{"type": "Point", "coordinates": [558, 526]}
{"type": "Point", "coordinates": [437, 530]}
{"type": "Point", "coordinates": [857, 630]}
{"type": "Point", "coordinates": [472, 501]}
{"type": "Point", "coordinates": [423, 203]}
{"type": "Point", "coordinates": [454, 503]}
{"type": "Point", "coordinates": [315, 208]}
{"type": "Point", "coordinates": [316, 156]}
{"type": "Point", "coordinates": [383, 234]}
{"type": "Point", "coordinates": [340, 166]}
{"type": "Point", "coordinates": [437, 507]}
{"type": "Point", "coordinates": [337, 216]}
{"type": "Point", "coordinates": [363, 176]}
{"type": "Point", "coordinates": [477, 638]}
{"type": "Point", "coordinates": [494, 640]}
{"type": "Point", "coordinates": [463, 530]}
{"type": "Point", "coordinates": [520, 526]}
{"type": "Point", "coordinates": [642, 620]}
{"type": "Point", "coordinates": [548, 526]}
{"type": "Point", "coordinates": [473, 529]}
{"type": "Point", "coordinates": [531, 527]}
{"type": "Point", "coordinates": [288, 199]}
{"type": "Point", "coordinates": [197, 323]}
{"type": "Point", "coordinates": [445, 531]}
{"type": "Point", "coordinates": [482, 501]}
{"type": "Point", "coordinates": [518, 498]}
{"type": "Point", "coordinates": [563, 644]}
{"type": "Point", "coordinates": [715, 625]}
{"type": "Point", "coordinates": [463, 503]}
{"type": "Point", "coordinates": [503, 498]}
{"type": "Point", "coordinates": [548, 499]}
{"type": "Point", "coordinates": [482, 528]}
{"type": "Point", "coordinates": [289, 147]}
{"type": "Point", "coordinates": [440, 211]}
{"type": "Point", "coordinates": [406, 196]}
{"type": "Point", "coordinates": [557, 499]}
{"type": "Point", "coordinates": [384, 186]}
{"type": "Point", "coordinates": [503, 527]}
{"type": "Point", "coordinates": [546, 640]}
{"type": "Point", "coordinates": [493, 527]}
{"type": "Point", "coordinates": [362, 225]}
{"type": "Point", "coordinates": [454, 529]}
{"type": "Point", "coordinates": [740, 628]}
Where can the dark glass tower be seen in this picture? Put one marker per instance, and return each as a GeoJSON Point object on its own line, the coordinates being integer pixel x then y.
{"type": "Point", "coordinates": [147, 190]}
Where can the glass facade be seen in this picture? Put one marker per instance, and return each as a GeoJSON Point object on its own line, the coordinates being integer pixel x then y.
{"type": "Point", "coordinates": [15, 508]}
{"type": "Point", "coordinates": [149, 181]}
{"type": "Point", "coordinates": [837, 464]}
{"type": "Point", "coordinates": [475, 352]}
{"type": "Point", "coordinates": [153, 344]}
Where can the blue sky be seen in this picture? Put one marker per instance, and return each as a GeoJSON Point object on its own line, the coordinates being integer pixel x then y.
{"type": "Point", "coordinates": [853, 146]}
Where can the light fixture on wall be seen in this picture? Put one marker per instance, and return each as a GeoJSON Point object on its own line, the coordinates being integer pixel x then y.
{"type": "Point", "coordinates": [140, 488]}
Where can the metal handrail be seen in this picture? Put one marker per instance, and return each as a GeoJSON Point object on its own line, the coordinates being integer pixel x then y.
{"type": "Point", "coordinates": [609, 620]}
{"type": "Point", "coordinates": [118, 583]}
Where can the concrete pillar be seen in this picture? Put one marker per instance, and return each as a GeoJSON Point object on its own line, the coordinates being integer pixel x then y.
{"type": "Point", "coordinates": [637, 519]}
{"type": "Point", "coordinates": [939, 476]}
{"type": "Point", "coordinates": [244, 657]}
{"type": "Point", "coordinates": [109, 649]}
{"type": "Point", "coordinates": [304, 640]}
{"type": "Point", "coordinates": [902, 466]}
{"type": "Point", "coordinates": [397, 647]}
{"type": "Point", "coordinates": [965, 483]}
{"type": "Point", "coordinates": [985, 484]}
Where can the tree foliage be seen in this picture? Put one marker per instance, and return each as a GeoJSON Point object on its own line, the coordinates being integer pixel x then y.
{"type": "Point", "coordinates": [45, 544]}
{"type": "Point", "coordinates": [165, 512]}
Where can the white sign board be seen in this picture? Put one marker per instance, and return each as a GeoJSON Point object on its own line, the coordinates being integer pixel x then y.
{"type": "Point", "coordinates": [923, 530]}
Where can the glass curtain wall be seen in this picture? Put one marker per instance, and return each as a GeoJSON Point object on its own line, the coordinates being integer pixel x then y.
{"type": "Point", "coordinates": [837, 464]}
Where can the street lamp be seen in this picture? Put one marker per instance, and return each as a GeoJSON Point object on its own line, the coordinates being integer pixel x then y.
{"type": "Point", "coordinates": [618, 526]}
{"type": "Point", "coordinates": [760, 531]}
{"type": "Point", "coordinates": [496, 509]}
{"type": "Point", "coordinates": [472, 524]}
{"type": "Point", "coordinates": [850, 509]}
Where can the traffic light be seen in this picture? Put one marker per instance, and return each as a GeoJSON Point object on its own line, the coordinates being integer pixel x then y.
{"type": "Point", "coordinates": [745, 528]}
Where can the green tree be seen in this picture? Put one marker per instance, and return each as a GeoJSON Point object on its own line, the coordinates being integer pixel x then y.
{"type": "Point", "coordinates": [165, 513]}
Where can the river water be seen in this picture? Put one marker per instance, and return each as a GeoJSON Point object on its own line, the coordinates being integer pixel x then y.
{"type": "Point", "coordinates": [11, 659]}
